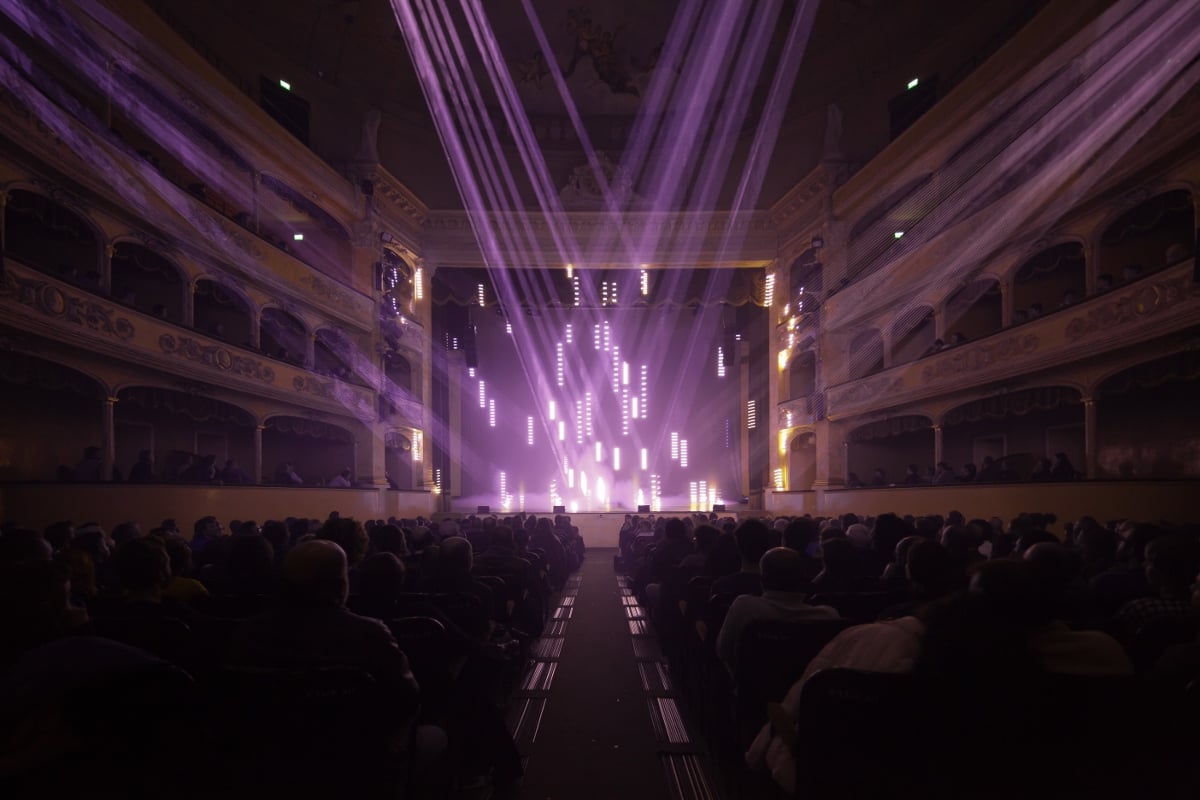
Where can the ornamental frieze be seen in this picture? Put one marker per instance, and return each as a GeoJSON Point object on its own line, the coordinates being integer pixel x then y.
{"type": "Point", "coordinates": [868, 390]}
{"type": "Point", "coordinates": [977, 357]}
{"type": "Point", "coordinates": [51, 301]}
{"type": "Point", "coordinates": [1143, 302]}
{"type": "Point", "coordinates": [216, 357]}
{"type": "Point", "coordinates": [338, 392]}
{"type": "Point", "coordinates": [328, 291]}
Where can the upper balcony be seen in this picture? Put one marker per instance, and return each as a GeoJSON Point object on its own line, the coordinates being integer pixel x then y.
{"type": "Point", "coordinates": [33, 301]}
{"type": "Point", "coordinates": [1153, 306]}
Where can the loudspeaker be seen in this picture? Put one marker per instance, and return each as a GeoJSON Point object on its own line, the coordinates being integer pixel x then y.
{"type": "Point", "coordinates": [719, 507]}
{"type": "Point", "coordinates": [643, 509]}
{"type": "Point", "coordinates": [483, 510]}
{"type": "Point", "coordinates": [560, 510]}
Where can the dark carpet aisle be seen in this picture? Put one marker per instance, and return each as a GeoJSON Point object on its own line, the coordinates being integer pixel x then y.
{"type": "Point", "coordinates": [596, 715]}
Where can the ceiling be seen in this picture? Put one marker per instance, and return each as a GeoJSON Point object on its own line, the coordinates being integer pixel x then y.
{"type": "Point", "coordinates": [350, 56]}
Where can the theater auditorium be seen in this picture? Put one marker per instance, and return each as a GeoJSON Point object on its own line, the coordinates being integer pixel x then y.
{"type": "Point", "coordinates": [682, 399]}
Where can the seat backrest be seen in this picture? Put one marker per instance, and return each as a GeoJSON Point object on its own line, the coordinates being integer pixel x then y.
{"type": "Point", "coordinates": [166, 637]}
{"type": "Point", "coordinates": [869, 734]}
{"type": "Point", "coordinates": [858, 607]}
{"type": "Point", "coordinates": [772, 654]}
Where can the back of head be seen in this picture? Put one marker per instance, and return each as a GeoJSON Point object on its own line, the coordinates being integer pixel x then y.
{"type": "Point", "coordinates": [799, 534]}
{"type": "Point", "coordinates": [782, 570]}
{"type": "Point", "coordinates": [22, 544]}
{"type": "Point", "coordinates": [931, 571]}
{"type": "Point", "coordinates": [752, 539]}
{"type": "Point", "coordinates": [503, 537]}
{"type": "Point", "coordinates": [889, 529]}
{"type": "Point", "coordinates": [705, 536]}
{"type": "Point", "coordinates": [388, 539]}
{"type": "Point", "coordinates": [838, 557]}
{"type": "Point", "coordinates": [348, 534]}
{"type": "Point", "coordinates": [1133, 550]}
{"type": "Point", "coordinates": [179, 553]}
{"type": "Point", "coordinates": [1055, 568]}
{"type": "Point", "coordinates": [381, 577]}
{"type": "Point", "coordinates": [251, 563]}
{"type": "Point", "coordinates": [676, 530]}
{"type": "Point", "coordinates": [141, 565]}
{"type": "Point", "coordinates": [314, 575]}
{"type": "Point", "coordinates": [1172, 562]}
{"type": "Point", "coordinates": [455, 558]}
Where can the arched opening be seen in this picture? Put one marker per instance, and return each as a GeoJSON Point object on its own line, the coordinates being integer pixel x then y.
{"type": "Point", "coordinates": [866, 354]}
{"type": "Point", "coordinates": [316, 451]}
{"type": "Point", "coordinates": [399, 372]}
{"type": "Point", "coordinates": [802, 462]}
{"type": "Point", "coordinates": [1146, 422]}
{"type": "Point", "coordinates": [190, 438]}
{"type": "Point", "coordinates": [806, 279]}
{"type": "Point", "coordinates": [1054, 278]}
{"type": "Point", "coordinates": [879, 453]}
{"type": "Point", "coordinates": [913, 335]}
{"type": "Point", "coordinates": [52, 413]}
{"type": "Point", "coordinates": [802, 375]}
{"type": "Point", "coordinates": [223, 314]}
{"type": "Point", "coordinates": [333, 355]}
{"type": "Point", "coordinates": [397, 284]}
{"type": "Point", "coordinates": [1153, 235]}
{"type": "Point", "coordinates": [1004, 437]}
{"type": "Point", "coordinates": [973, 312]}
{"type": "Point", "coordinates": [398, 460]}
{"type": "Point", "coordinates": [53, 239]}
{"type": "Point", "coordinates": [144, 280]}
{"type": "Point", "coordinates": [283, 336]}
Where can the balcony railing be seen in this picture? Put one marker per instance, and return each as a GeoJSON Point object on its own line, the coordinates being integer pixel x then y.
{"type": "Point", "coordinates": [1151, 307]}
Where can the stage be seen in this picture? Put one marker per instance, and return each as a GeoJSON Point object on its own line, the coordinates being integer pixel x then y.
{"type": "Point", "coordinates": [597, 529]}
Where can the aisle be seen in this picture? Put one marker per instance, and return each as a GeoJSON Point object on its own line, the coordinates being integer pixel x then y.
{"type": "Point", "coordinates": [596, 715]}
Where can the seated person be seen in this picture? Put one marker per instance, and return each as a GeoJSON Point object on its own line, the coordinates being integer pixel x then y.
{"type": "Point", "coordinates": [1172, 562]}
{"type": "Point", "coordinates": [341, 480]}
{"type": "Point", "coordinates": [233, 475]}
{"type": "Point", "coordinates": [285, 474]}
{"type": "Point", "coordinates": [752, 539]}
{"type": "Point", "coordinates": [311, 628]}
{"type": "Point", "coordinates": [783, 597]}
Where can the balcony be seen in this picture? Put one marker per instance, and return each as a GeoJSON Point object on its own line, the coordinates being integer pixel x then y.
{"type": "Point", "coordinates": [1151, 307]}
{"type": "Point", "coordinates": [35, 302]}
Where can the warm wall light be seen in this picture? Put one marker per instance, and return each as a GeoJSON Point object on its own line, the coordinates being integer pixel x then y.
{"type": "Point", "coordinates": [297, 237]}
{"type": "Point", "coordinates": [913, 83]}
{"type": "Point", "coordinates": [285, 85]}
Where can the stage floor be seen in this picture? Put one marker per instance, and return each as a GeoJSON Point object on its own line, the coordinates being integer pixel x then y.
{"type": "Point", "coordinates": [597, 529]}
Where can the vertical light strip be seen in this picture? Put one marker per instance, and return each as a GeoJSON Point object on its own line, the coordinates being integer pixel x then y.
{"type": "Point", "coordinates": [419, 283]}
{"type": "Point", "coordinates": [529, 430]}
{"type": "Point", "coordinates": [683, 462]}
{"type": "Point", "coordinates": [645, 459]}
{"type": "Point", "coordinates": [492, 413]}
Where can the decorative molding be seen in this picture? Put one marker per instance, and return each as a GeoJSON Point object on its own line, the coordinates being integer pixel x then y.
{"type": "Point", "coordinates": [51, 301]}
{"type": "Point", "coordinates": [329, 292]}
{"type": "Point", "coordinates": [1142, 302]}
{"type": "Point", "coordinates": [867, 390]}
{"type": "Point", "coordinates": [978, 357]}
{"type": "Point", "coordinates": [355, 403]}
{"type": "Point", "coordinates": [216, 357]}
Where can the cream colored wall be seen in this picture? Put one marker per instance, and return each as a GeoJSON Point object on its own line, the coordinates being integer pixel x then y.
{"type": "Point", "coordinates": [38, 505]}
{"type": "Point", "coordinates": [1144, 500]}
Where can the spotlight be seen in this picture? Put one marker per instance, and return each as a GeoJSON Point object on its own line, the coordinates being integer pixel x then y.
{"type": "Point", "coordinates": [285, 85]}
{"type": "Point", "coordinates": [817, 243]}
{"type": "Point", "coordinates": [297, 237]}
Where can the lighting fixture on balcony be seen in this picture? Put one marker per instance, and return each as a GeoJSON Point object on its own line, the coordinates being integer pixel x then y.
{"type": "Point", "coordinates": [285, 85]}
{"type": "Point", "coordinates": [297, 237]}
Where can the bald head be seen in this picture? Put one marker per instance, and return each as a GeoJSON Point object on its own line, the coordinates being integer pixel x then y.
{"type": "Point", "coordinates": [782, 570]}
{"type": "Point", "coordinates": [314, 574]}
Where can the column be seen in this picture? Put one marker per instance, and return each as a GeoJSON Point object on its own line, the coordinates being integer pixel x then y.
{"type": "Point", "coordinates": [830, 455]}
{"type": "Point", "coordinates": [108, 438]}
{"type": "Point", "coordinates": [1006, 302]}
{"type": "Point", "coordinates": [310, 352]}
{"type": "Point", "coordinates": [939, 322]}
{"type": "Point", "coordinates": [885, 336]}
{"type": "Point", "coordinates": [189, 305]}
{"type": "Point", "coordinates": [3, 214]}
{"type": "Point", "coordinates": [377, 474]}
{"type": "Point", "coordinates": [256, 327]}
{"type": "Point", "coordinates": [258, 454]}
{"type": "Point", "coordinates": [1089, 437]}
{"type": "Point", "coordinates": [106, 271]}
{"type": "Point", "coordinates": [254, 178]}
{"type": "Point", "coordinates": [455, 368]}
{"type": "Point", "coordinates": [937, 444]}
{"type": "Point", "coordinates": [744, 400]}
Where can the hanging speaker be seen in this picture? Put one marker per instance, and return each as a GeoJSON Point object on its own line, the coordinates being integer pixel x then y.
{"type": "Point", "coordinates": [643, 509]}
{"type": "Point", "coordinates": [560, 510]}
{"type": "Point", "coordinates": [483, 509]}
